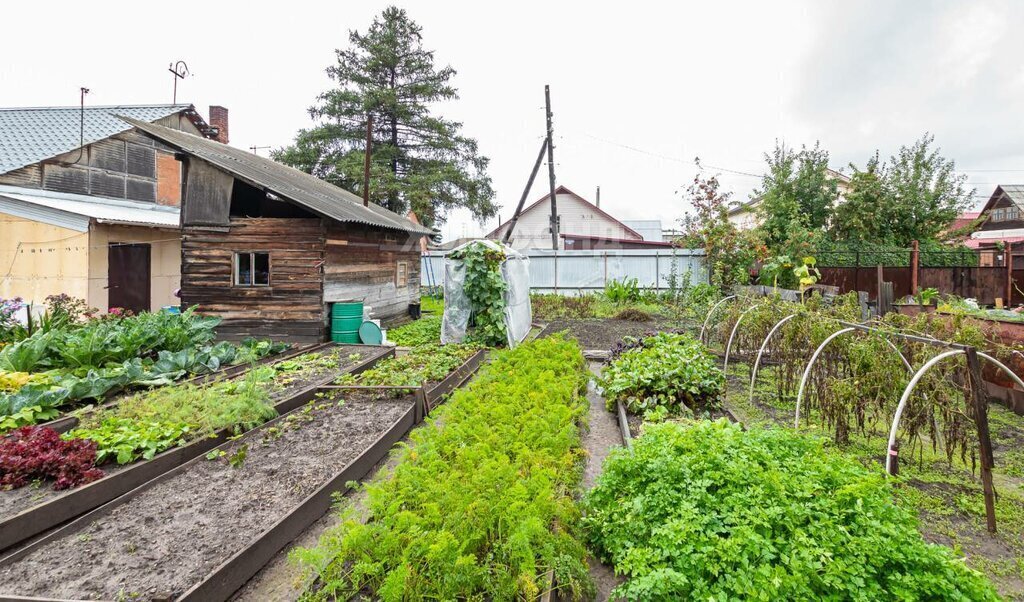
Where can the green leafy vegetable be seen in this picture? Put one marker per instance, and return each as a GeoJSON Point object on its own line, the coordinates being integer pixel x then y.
{"type": "Point", "coordinates": [708, 511]}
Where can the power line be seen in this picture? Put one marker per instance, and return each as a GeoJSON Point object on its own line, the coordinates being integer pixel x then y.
{"type": "Point", "coordinates": [668, 158]}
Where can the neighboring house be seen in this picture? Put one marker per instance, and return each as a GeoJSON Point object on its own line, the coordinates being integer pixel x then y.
{"type": "Point", "coordinates": [582, 225]}
{"type": "Point", "coordinates": [1003, 215]}
{"type": "Point", "coordinates": [744, 215]}
{"type": "Point", "coordinates": [268, 248]}
{"type": "Point", "coordinates": [99, 221]}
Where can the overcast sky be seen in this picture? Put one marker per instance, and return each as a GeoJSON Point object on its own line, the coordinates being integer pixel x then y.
{"type": "Point", "coordinates": [638, 90]}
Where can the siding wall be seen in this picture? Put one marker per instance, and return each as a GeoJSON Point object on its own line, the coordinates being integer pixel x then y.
{"type": "Point", "coordinates": [578, 217]}
{"type": "Point", "coordinates": [164, 268]}
{"type": "Point", "coordinates": [291, 308]}
{"type": "Point", "coordinates": [42, 260]}
{"type": "Point", "coordinates": [362, 265]}
{"type": "Point", "coordinates": [579, 272]}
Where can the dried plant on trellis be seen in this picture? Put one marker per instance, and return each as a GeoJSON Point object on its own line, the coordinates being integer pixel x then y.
{"type": "Point", "coordinates": [852, 386]}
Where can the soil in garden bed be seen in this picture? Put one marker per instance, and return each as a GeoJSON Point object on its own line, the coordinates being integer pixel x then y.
{"type": "Point", "coordinates": [168, 537]}
{"type": "Point", "coordinates": [332, 361]}
{"type": "Point", "coordinates": [602, 334]}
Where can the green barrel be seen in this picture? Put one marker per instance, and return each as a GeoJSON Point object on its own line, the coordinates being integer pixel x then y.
{"type": "Point", "coordinates": [345, 321]}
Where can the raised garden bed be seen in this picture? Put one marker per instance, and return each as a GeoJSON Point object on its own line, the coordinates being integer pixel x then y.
{"type": "Point", "coordinates": [70, 420]}
{"type": "Point", "coordinates": [602, 334]}
{"type": "Point", "coordinates": [266, 486]}
{"type": "Point", "coordinates": [30, 510]}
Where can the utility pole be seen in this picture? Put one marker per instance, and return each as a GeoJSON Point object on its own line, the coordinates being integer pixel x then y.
{"type": "Point", "coordinates": [526, 191]}
{"type": "Point", "coordinates": [551, 169]}
{"type": "Point", "coordinates": [366, 160]}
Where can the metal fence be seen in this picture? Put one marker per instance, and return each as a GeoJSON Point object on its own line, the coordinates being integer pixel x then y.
{"type": "Point", "coordinates": [578, 272]}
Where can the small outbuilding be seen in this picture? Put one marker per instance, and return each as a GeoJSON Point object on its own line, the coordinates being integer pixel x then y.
{"type": "Point", "coordinates": [269, 248]}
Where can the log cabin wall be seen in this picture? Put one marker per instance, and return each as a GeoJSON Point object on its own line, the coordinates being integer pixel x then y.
{"type": "Point", "coordinates": [367, 264]}
{"type": "Point", "coordinates": [290, 308]}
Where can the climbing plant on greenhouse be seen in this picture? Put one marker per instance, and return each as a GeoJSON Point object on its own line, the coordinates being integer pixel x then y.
{"type": "Point", "coordinates": [485, 288]}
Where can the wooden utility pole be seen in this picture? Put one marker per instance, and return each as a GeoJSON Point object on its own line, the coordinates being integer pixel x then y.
{"type": "Point", "coordinates": [551, 169]}
{"type": "Point", "coordinates": [979, 398]}
{"type": "Point", "coordinates": [366, 160]}
{"type": "Point", "coordinates": [526, 191]}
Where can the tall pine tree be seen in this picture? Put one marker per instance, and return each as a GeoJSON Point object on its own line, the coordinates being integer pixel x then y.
{"type": "Point", "coordinates": [419, 160]}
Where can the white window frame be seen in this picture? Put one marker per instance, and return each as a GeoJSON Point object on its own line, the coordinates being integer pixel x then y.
{"type": "Point", "coordinates": [252, 269]}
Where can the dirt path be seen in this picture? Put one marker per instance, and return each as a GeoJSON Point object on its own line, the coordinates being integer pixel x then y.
{"type": "Point", "coordinates": [602, 436]}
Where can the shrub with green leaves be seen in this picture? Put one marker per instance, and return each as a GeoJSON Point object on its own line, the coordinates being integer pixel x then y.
{"type": "Point", "coordinates": [708, 511]}
{"type": "Point", "coordinates": [480, 505]}
{"type": "Point", "coordinates": [667, 369]}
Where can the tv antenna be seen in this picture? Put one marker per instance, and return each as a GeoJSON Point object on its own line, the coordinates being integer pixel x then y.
{"type": "Point", "coordinates": [180, 70]}
{"type": "Point", "coordinates": [255, 148]}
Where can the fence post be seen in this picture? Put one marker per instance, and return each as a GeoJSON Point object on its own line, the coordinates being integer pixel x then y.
{"type": "Point", "coordinates": [856, 270]}
{"type": "Point", "coordinates": [1008, 254]}
{"type": "Point", "coordinates": [915, 262]}
{"type": "Point", "coordinates": [980, 400]}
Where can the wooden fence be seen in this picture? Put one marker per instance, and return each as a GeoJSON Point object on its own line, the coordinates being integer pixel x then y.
{"type": "Point", "coordinates": [985, 274]}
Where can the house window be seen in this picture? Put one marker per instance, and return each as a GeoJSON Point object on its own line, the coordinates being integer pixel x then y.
{"type": "Point", "coordinates": [252, 269]}
{"type": "Point", "coordinates": [402, 274]}
{"type": "Point", "coordinates": [998, 215]}
{"type": "Point", "coordinates": [1012, 214]}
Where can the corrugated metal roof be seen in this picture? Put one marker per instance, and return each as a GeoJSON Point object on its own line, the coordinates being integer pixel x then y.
{"type": "Point", "coordinates": [1015, 192]}
{"type": "Point", "coordinates": [297, 186]}
{"type": "Point", "coordinates": [115, 211]}
{"type": "Point", "coordinates": [29, 135]}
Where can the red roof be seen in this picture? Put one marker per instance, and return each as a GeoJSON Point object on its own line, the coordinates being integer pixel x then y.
{"type": "Point", "coordinates": [632, 241]}
{"type": "Point", "coordinates": [564, 190]}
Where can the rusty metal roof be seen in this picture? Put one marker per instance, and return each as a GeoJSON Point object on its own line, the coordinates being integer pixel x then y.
{"type": "Point", "coordinates": [297, 186]}
{"type": "Point", "coordinates": [30, 135]}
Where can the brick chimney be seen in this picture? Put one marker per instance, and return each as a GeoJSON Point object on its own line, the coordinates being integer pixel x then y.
{"type": "Point", "coordinates": [219, 120]}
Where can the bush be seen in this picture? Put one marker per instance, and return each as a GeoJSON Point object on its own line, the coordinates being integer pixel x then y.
{"type": "Point", "coordinates": [33, 453]}
{"type": "Point", "coordinates": [708, 511]}
{"type": "Point", "coordinates": [480, 503]}
{"type": "Point", "coordinates": [666, 369]}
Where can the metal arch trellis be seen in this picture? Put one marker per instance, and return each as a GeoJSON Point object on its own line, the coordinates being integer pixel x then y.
{"type": "Point", "coordinates": [913, 383]}
{"type": "Point", "coordinates": [814, 358]}
{"type": "Point", "coordinates": [711, 311]}
{"type": "Point", "coordinates": [732, 335]}
{"type": "Point", "coordinates": [760, 352]}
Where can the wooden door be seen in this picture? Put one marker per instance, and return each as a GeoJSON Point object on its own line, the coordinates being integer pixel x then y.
{"type": "Point", "coordinates": [128, 276]}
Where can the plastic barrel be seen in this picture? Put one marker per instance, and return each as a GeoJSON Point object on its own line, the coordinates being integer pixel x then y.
{"type": "Point", "coordinates": [345, 321]}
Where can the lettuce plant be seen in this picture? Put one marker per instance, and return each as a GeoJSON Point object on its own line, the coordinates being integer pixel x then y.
{"type": "Point", "coordinates": [33, 453]}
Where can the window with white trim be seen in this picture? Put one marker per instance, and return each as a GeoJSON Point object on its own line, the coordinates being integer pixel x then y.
{"type": "Point", "coordinates": [252, 269]}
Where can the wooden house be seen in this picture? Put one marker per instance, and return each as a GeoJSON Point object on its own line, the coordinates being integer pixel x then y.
{"type": "Point", "coordinates": [89, 207]}
{"type": "Point", "coordinates": [269, 248]}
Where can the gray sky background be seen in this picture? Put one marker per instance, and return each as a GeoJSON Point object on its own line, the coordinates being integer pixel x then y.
{"type": "Point", "coordinates": [639, 89]}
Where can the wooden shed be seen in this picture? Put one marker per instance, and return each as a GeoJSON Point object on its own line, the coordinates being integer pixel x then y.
{"type": "Point", "coordinates": [269, 248]}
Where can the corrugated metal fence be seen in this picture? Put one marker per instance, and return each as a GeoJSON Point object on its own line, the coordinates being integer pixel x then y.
{"type": "Point", "coordinates": [575, 272]}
